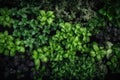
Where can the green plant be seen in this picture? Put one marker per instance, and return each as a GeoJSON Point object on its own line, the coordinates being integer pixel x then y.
{"type": "Point", "coordinates": [46, 18]}
{"type": "Point", "coordinates": [34, 30]}
{"type": "Point", "coordinates": [62, 48]}
{"type": "Point", "coordinates": [64, 44]}
{"type": "Point", "coordinates": [9, 45]}
{"type": "Point", "coordinates": [99, 52]}
{"type": "Point", "coordinates": [113, 61]}
{"type": "Point", "coordinates": [81, 68]}
{"type": "Point", "coordinates": [73, 36]}
{"type": "Point", "coordinates": [111, 12]}
{"type": "Point", "coordinates": [5, 18]}
{"type": "Point", "coordinates": [38, 56]}
{"type": "Point", "coordinates": [95, 24]}
{"type": "Point", "coordinates": [75, 11]}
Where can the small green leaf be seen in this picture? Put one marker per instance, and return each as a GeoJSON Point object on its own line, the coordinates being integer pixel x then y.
{"type": "Point", "coordinates": [49, 20]}
{"type": "Point", "coordinates": [7, 18]}
{"type": "Point", "coordinates": [12, 52]}
{"type": "Point", "coordinates": [42, 13]}
{"type": "Point", "coordinates": [49, 13]}
{"type": "Point", "coordinates": [42, 23]}
{"type": "Point", "coordinates": [45, 49]}
{"type": "Point", "coordinates": [67, 24]}
{"type": "Point", "coordinates": [109, 51]}
{"type": "Point", "coordinates": [98, 57]}
{"type": "Point", "coordinates": [2, 41]}
{"type": "Point", "coordinates": [44, 59]}
{"type": "Point", "coordinates": [35, 54]}
{"type": "Point", "coordinates": [37, 63]}
{"type": "Point", "coordinates": [17, 42]}
{"type": "Point", "coordinates": [22, 49]}
{"type": "Point", "coordinates": [66, 55]}
{"type": "Point", "coordinates": [109, 17]}
{"type": "Point", "coordinates": [43, 19]}
{"type": "Point", "coordinates": [39, 50]}
{"type": "Point", "coordinates": [62, 25]}
{"type": "Point", "coordinates": [6, 33]}
{"type": "Point", "coordinates": [92, 53]}
{"type": "Point", "coordinates": [109, 44]}
{"type": "Point", "coordinates": [95, 46]}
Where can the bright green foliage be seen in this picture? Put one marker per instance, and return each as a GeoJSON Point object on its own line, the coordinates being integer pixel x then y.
{"type": "Point", "coordinates": [100, 52]}
{"type": "Point", "coordinates": [64, 44]}
{"type": "Point", "coordinates": [35, 31]}
{"type": "Point", "coordinates": [72, 36]}
{"type": "Point", "coordinates": [5, 18]}
{"type": "Point", "coordinates": [9, 45]}
{"type": "Point", "coordinates": [45, 18]}
{"type": "Point", "coordinates": [79, 69]}
{"type": "Point", "coordinates": [38, 56]}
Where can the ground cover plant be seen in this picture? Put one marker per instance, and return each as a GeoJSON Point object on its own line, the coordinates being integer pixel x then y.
{"type": "Point", "coordinates": [42, 40]}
